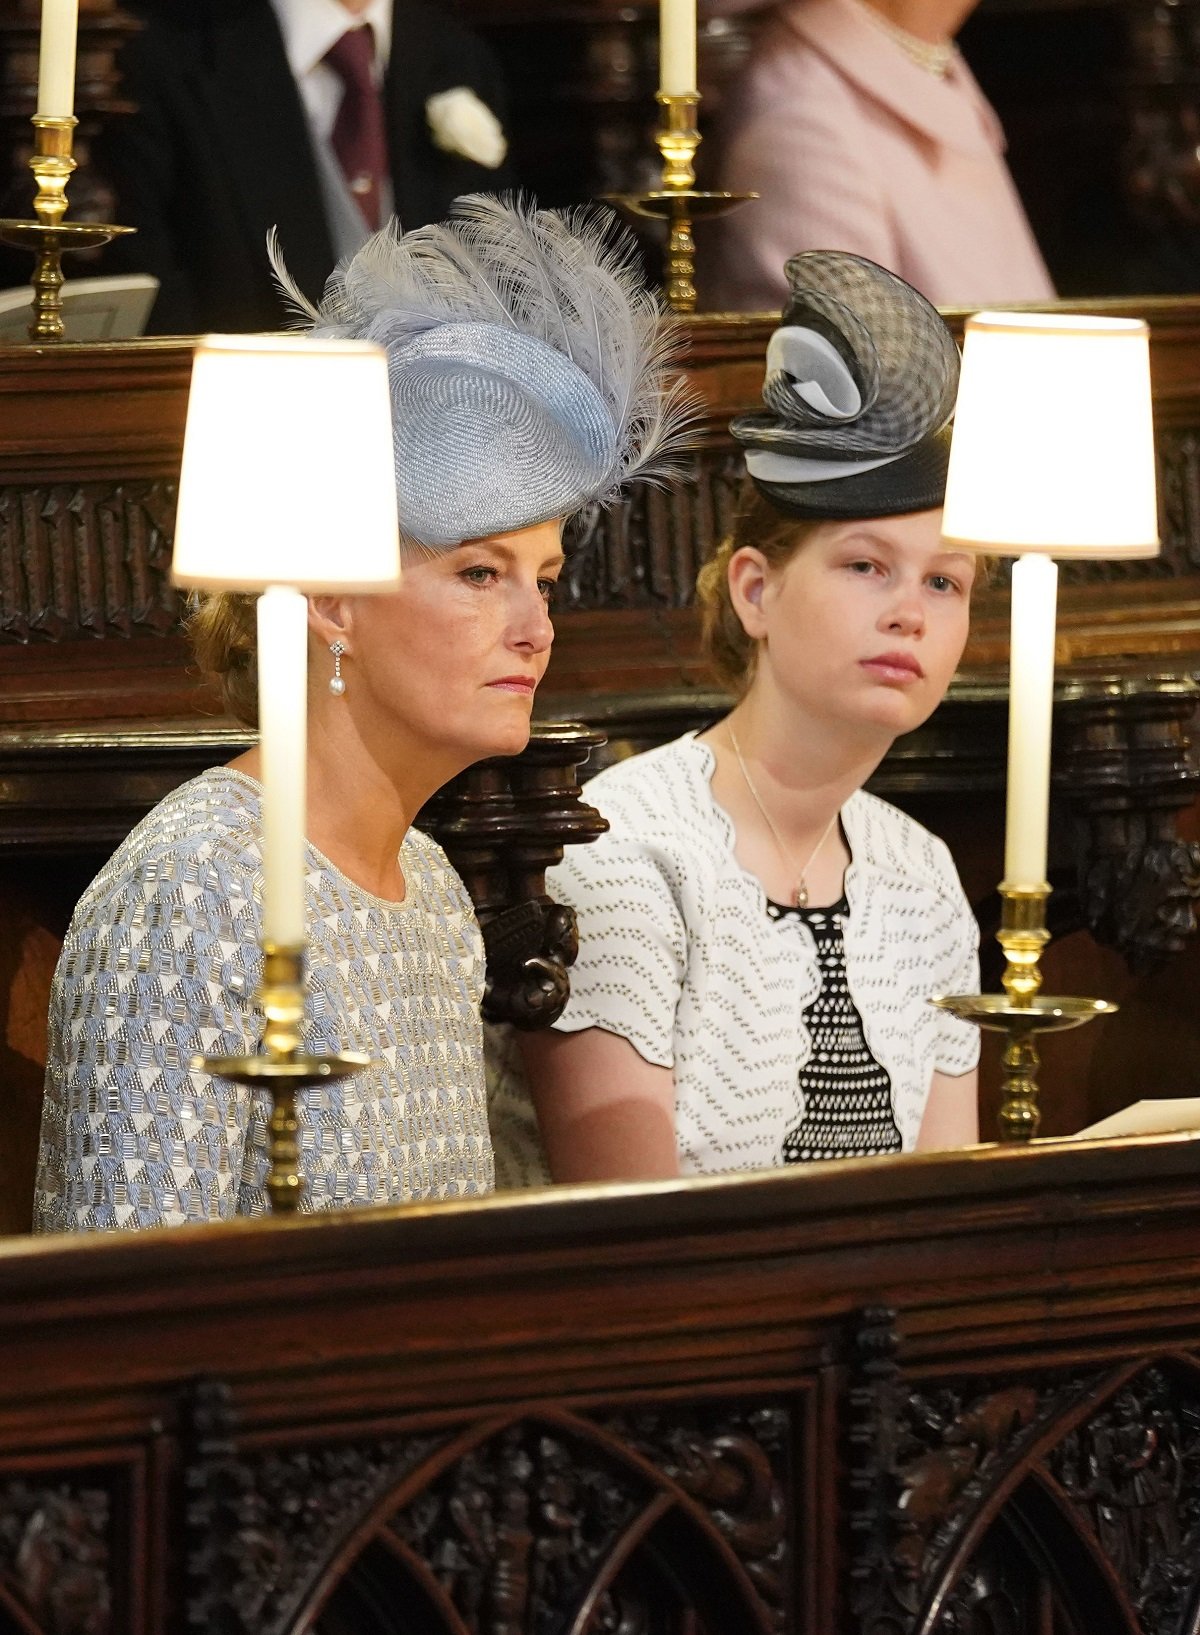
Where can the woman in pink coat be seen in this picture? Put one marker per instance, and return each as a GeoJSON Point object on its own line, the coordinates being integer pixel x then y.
{"type": "Point", "coordinates": [862, 128]}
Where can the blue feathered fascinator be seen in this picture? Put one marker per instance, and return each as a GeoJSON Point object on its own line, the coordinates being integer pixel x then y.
{"type": "Point", "coordinates": [529, 365]}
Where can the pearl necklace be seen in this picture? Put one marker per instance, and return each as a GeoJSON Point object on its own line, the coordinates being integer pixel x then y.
{"type": "Point", "coordinates": [934, 58]}
{"type": "Point", "coordinates": [800, 890]}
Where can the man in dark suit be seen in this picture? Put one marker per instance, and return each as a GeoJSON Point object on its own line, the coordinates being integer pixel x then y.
{"type": "Point", "coordinates": [233, 136]}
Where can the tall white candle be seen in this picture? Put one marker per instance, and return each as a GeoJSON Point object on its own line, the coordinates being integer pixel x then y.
{"type": "Point", "coordinates": [677, 47]}
{"type": "Point", "coordinates": [283, 721]}
{"type": "Point", "coordinates": [1030, 713]}
{"type": "Point", "coordinates": [56, 62]}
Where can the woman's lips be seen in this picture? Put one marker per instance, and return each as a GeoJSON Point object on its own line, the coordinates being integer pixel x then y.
{"type": "Point", "coordinates": [515, 684]}
{"type": "Point", "coordinates": [898, 668]}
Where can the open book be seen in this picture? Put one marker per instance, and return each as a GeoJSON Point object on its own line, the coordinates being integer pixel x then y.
{"type": "Point", "coordinates": [1150, 1118]}
{"type": "Point", "coordinates": [94, 309]}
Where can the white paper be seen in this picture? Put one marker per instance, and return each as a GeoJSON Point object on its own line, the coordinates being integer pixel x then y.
{"type": "Point", "coordinates": [1150, 1118]}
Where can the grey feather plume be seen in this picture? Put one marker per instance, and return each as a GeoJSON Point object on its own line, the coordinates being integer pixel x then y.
{"type": "Point", "coordinates": [564, 278]}
{"type": "Point", "coordinates": [303, 311]}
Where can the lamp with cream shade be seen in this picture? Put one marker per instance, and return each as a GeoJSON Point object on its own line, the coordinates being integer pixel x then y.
{"type": "Point", "coordinates": [1052, 456]}
{"type": "Point", "coordinates": [287, 487]}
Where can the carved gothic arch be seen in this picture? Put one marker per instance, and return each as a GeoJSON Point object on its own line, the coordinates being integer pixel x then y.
{"type": "Point", "coordinates": [1094, 1478]}
{"type": "Point", "coordinates": [1033, 1507]}
{"type": "Point", "coordinates": [633, 1515]}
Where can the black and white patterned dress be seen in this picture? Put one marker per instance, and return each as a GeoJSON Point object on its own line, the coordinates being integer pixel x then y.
{"type": "Point", "coordinates": [847, 1095]}
{"type": "Point", "coordinates": [678, 955]}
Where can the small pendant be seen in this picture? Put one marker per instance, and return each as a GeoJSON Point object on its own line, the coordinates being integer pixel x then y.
{"type": "Point", "coordinates": [800, 896]}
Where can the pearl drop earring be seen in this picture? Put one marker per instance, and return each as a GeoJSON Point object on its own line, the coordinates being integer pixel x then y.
{"type": "Point", "coordinates": [336, 685]}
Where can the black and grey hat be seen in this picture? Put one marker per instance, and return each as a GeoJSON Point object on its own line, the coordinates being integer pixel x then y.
{"type": "Point", "coordinates": [861, 380]}
{"type": "Point", "coordinates": [528, 364]}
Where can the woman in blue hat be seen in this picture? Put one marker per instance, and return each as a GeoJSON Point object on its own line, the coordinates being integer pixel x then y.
{"type": "Point", "coordinates": [527, 374]}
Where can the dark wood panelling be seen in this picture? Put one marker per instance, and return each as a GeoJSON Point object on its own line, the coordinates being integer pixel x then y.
{"type": "Point", "coordinates": [953, 1393]}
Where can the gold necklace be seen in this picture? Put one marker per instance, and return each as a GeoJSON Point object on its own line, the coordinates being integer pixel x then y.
{"type": "Point", "coordinates": [800, 890]}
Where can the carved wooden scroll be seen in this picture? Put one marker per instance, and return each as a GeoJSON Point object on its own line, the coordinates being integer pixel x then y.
{"type": "Point", "coordinates": [1128, 772]}
{"type": "Point", "coordinates": [503, 823]}
{"type": "Point", "coordinates": [87, 560]}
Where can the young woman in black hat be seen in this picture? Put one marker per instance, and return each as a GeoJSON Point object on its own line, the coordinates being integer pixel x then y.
{"type": "Point", "coordinates": [759, 937]}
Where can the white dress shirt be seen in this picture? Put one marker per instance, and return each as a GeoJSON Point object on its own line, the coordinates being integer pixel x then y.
{"type": "Point", "coordinates": [310, 28]}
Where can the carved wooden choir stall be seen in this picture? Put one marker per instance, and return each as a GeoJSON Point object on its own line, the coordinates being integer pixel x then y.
{"type": "Point", "coordinates": [951, 1393]}
{"type": "Point", "coordinates": [947, 1394]}
{"type": "Point", "coordinates": [955, 1393]}
{"type": "Point", "coordinates": [101, 711]}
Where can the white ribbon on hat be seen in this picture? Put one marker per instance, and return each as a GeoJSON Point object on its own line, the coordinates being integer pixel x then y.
{"type": "Point", "coordinates": [818, 374]}
{"type": "Point", "coordinates": [769, 467]}
{"type": "Point", "coordinates": [817, 370]}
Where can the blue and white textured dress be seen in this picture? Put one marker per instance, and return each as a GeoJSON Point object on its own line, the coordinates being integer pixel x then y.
{"type": "Point", "coordinates": [162, 962]}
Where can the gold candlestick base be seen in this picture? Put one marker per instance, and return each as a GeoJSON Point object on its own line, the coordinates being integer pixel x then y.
{"type": "Point", "coordinates": [1021, 1012]}
{"type": "Point", "coordinates": [282, 1067]}
{"type": "Point", "coordinates": [48, 236]}
{"type": "Point", "coordinates": [678, 202]}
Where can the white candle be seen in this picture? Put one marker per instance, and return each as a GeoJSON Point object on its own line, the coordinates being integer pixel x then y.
{"type": "Point", "coordinates": [1030, 712]}
{"type": "Point", "coordinates": [283, 721]}
{"type": "Point", "coordinates": [677, 47]}
{"type": "Point", "coordinates": [56, 61]}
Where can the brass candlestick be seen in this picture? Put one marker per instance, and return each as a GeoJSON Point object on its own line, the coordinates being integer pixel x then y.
{"type": "Point", "coordinates": [1021, 1012]}
{"type": "Point", "coordinates": [678, 202]}
{"type": "Point", "coordinates": [283, 1067]}
{"type": "Point", "coordinates": [48, 236]}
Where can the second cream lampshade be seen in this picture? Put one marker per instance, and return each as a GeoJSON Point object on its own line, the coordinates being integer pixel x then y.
{"type": "Point", "coordinates": [288, 485]}
{"type": "Point", "coordinates": [1052, 456]}
{"type": "Point", "coordinates": [1053, 446]}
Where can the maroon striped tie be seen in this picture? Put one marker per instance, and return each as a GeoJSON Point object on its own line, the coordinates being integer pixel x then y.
{"type": "Point", "coordinates": [359, 134]}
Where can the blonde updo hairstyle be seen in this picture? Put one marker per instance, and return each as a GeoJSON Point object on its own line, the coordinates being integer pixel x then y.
{"type": "Point", "coordinates": [731, 653]}
{"type": "Point", "coordinates": [223, 629]}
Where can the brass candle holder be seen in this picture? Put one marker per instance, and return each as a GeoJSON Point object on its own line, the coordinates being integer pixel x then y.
{"type": "Point", "coordinates": [1021, 1012]}
{"type": "Point", "coordinates": [678, 202]}
{"type": "Point", "coordinates": [282, 1067]}
{"type": "Point", "coordinates": [48, 235]}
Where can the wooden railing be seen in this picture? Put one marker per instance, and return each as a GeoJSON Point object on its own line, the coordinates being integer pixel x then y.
{"type": "Point", "coordinates": [943, 1393]}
